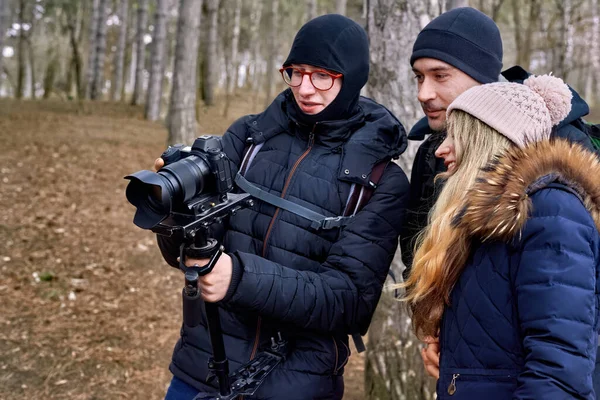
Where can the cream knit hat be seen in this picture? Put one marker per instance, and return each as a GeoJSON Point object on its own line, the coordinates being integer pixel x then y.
{"type": "Point", "coordinates": [523, 113]}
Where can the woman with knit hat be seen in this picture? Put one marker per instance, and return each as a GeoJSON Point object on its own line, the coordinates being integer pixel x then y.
{"type": "Point", "coordinates": [506, 273]}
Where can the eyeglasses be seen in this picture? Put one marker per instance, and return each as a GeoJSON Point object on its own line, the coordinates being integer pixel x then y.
{"type": "Point", "coordinates": [320, 79]}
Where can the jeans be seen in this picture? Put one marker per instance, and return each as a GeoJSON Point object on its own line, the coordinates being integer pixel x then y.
{"type": "Point", "coordinates": [179, 390]}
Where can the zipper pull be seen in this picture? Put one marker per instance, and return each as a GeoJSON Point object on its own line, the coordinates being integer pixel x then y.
{"type": "Point", "coordinates": [452, 386]}
{"type": "Point", "coordinates": [311, 136]}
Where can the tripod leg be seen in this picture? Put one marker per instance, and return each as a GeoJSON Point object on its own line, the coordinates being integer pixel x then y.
{"type": "Point", "coordinates": [218, 364]}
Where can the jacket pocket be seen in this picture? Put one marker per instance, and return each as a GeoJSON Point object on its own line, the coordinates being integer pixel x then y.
{"type": "Point", "coordinates": [342, 354]}
{"type": "Point", "coordinates": [489, 384]}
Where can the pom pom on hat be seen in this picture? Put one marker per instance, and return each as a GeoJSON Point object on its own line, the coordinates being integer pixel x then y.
{"type": "Point", "coordinates": [556, 95]}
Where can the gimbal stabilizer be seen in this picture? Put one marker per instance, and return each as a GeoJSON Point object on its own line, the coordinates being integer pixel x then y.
{"type": "Point", "coordinates": [198, 244]}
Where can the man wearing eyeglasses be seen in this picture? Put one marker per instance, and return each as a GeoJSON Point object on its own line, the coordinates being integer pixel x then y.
{"type": "Point", "coordinates": [316, 146]}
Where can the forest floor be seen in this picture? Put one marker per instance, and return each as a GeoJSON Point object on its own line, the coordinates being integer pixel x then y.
{"type": "Point", "coordinates": [89, 310]}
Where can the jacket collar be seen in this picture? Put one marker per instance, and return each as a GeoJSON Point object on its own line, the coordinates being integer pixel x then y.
{"type": "Point", "coordinates": [419, 130]}
{"type": "Point", "coordinates": [499, 204]}
{"type": "Point", "coordinates": [370, 136]}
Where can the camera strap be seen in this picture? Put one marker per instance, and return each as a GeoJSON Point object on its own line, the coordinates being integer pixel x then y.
{"type": "Point", "coordinates": [318, 221]}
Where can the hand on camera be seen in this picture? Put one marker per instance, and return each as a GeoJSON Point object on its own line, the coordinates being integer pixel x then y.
{"type": "Point", "coordinates": [431, 356]}
{"type": "Point", "coordinates": [158, 164]}
{"type": "Point", "coordinates": [214, 285]}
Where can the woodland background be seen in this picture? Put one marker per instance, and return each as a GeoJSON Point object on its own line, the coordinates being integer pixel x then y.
{"type": "Point", "coordinates": [91, 90]}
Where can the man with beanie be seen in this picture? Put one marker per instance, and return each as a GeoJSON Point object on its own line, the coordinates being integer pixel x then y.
{"type": "Point", "coordinates": [317, 145]}
{"type": "Point", "coordinates": [459, 49]}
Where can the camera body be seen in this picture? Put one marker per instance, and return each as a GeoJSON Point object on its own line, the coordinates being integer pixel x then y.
{"type": "Point", "coordinates": [210, 150]}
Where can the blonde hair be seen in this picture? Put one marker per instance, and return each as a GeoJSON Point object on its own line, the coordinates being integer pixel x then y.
{"type": "Point", "coordinates": [442, 250]}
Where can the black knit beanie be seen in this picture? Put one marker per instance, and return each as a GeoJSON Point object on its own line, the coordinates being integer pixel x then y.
{"type": "Point", "coordinates": [338, 44]}
{"type": "Point", "coordinates": [466, 39]}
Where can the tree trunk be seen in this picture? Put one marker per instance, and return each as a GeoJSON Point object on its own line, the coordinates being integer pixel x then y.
{"type": "Point", "coordinates": [71, 12]}
{"type": "Point", "coordinates": [211, 52]}
{"type": "Point", "coordinates": [140, 59]}
{"type": "Point", "coordinates": [157, 63]}
{"type": "Point", "coordinates": [21, 68]}
{"type": "Point", "coordinates": [255, 21]}
{"type": "Point", "coordinates": [233, 65]}
{"type": "Point", "coordinates": [130, 55]}
{"type": "Point", "coordinates": [524, 38]}
{"type": "Point", "coordinates": [594, 45]}
{"type": "Point", "coordinates": [50, 75]}
{"type": "Point", "coordinates": [182, 121]}
{"type": "Point", "coordinates": [89, 74]}
{"type": "Point", "coordinates": [569, 33]}
{"type": "Point", "coordinates": [340, 6]}
{"type": "Point", "coordinates": [31, 54]}
{"type": "Point", "coordinates": [4, 23]}
{"type": "Point", "coordinates": [273, 47]}
{"type": "Point", "coordinates": [311, 9]}
{"type": "Point", "coordinates": [394, 369]}
{"type": "Point", "coordinates": [119, 58]}
{"type": "Point", "coordinates": [456, 3]}
{"type": "Point", "coordinates": [490, 7]}
{"type": "Point", "coordinates": [98, 81]}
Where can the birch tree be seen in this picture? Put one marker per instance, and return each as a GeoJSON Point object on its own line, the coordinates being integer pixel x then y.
{"type": "Point", "coordinates": [255, 21]}
{"type": "Point", "coordinates": [592, 86]}
{"type": "Point", "coordinates": [119, 58]}
{"type": "Point", "coordinates": [4, 22]}
{"type": "Point", "coordinates": [311, 9]}
{"type": "Point", "coordinates": [394, 369]}
{"type": "Point", "coordinates": [340, 6]}
{"type": "Point", "coordinates": [568, 38]}
{"type": "Point", "coordinates": [456, 3]}
{"type": "Point", "coordinates": [524, 30]}
{"type": "Point", "coordinates": [140, 56]}
{"type": "Point", "coordinates": [210, 60]}
{"type": "Point", "coordinates": [273, 47]}
{"type": "Point", "coordinates": [157, 63]}
{"type": "Point", "coordinates": [182, 120]}
{"type": "Point", "coordinates": [98, 66]}
{"type": "Point", "coordinates": [92, 36]}
{"type": "Point", "coordinates": [232, 64]}
{"type": "Point", "coordinates": [21, 67]}
{"type": "Point", "coordinates": [490, 7]}
{"type": "Point", "coordinates": [72, 11]}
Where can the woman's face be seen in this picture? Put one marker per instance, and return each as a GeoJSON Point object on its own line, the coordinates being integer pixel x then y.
{"type": "Point", "coordinates": [311, 100]}
{"type": "Point", "coordinates": [447, 151]}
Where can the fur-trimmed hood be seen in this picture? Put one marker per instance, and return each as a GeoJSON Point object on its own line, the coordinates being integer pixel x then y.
{"type": "Point", "coordinates": [498, 205]}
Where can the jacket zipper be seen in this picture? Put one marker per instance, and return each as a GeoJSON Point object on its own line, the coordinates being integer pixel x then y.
{"type": "Point", "coordinates": [452, 386]}
{"type": "Point", "coordinates": [311, 140]}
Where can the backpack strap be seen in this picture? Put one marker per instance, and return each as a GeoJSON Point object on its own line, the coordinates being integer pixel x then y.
{"type": "Point", "coordinates": [594, 132]}
{"type": "Point", "coordinates": [357, 199]}
{"type": "Point", "coordinates": [248, 156]}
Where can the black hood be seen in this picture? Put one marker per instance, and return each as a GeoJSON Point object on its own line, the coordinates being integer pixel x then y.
{"type": "Point", "coordinates": [338, 44]}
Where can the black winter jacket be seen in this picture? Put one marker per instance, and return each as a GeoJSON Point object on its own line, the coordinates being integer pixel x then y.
{"type": "Point", "coordinates": [423, 189]}
{"type": "Point", "coordinates": [315, 287]}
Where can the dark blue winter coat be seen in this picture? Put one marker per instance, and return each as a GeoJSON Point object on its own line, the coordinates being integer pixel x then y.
{"type": "Point", "coordinates": [315, 287]}
{"type": "Point", "coordinates": [523, 317]}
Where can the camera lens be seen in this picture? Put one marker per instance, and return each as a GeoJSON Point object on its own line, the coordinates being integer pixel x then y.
{"type": "Point", "coordinates": [155, 195]}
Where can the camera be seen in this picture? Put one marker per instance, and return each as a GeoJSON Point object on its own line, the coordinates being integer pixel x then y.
{"type": "Point", "coordinates": [195, 184]}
